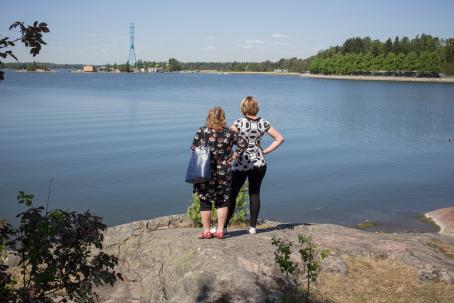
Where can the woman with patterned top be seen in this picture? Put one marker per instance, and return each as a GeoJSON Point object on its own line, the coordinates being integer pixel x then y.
{"type": "Point", "coordinates": [251, 164]}
{"type": "Point", "coordinates": [220, 140]}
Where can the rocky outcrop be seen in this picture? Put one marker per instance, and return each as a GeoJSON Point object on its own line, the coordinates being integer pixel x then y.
{"type": "Point", "coordinates": [163, 261]}
{"type": "Point", "coordinates": [444, 218]}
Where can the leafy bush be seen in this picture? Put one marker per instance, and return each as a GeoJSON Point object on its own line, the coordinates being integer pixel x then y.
{"type": "Point", "coordinates": [311, 257]}
{"type": "Point", "coordinates": [56, 257]}
{"type": "Point", "coordinates": [239, 216]}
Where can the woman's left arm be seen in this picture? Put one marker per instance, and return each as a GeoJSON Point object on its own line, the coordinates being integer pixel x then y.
{"type": "Point", "coordinates": [278, 139]}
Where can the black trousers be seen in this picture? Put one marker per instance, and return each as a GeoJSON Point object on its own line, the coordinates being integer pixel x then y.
{"type": "Point", "coordinates": [255, 177]}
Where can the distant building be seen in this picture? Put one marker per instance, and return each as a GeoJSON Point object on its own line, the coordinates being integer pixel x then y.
{"type": "Point", "coordinates": [89, 69]}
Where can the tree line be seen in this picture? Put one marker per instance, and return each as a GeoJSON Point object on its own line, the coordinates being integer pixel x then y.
{"type": "Point", "coordinates": [289, 65]}
{"type": "Point", "coordinates": [423, 55]}
{"type": "Point", "coordinates": [294, 65]}
{"type": "Point", "coordinates": [46, 65]}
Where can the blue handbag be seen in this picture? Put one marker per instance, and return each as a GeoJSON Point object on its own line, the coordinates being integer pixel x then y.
{"type": "Point", "coordinates": [199, 168]}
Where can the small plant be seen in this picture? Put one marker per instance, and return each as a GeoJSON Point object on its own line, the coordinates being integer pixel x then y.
{"type": "Point", "coordinates": [57, 255]}
{"type": "Point", "coordinates": [311, 257]}
{"type": "Point", "coordinates": [239, 216]}
{"type": "Point", "coordinates": [193, 212]}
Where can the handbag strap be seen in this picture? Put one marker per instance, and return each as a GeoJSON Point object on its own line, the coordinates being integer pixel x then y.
{"type": "Point", "coordinates": [203, 141]}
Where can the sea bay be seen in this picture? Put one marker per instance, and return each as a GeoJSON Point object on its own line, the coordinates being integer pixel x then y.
{"type": "Point", "coordinates": [118, 144]}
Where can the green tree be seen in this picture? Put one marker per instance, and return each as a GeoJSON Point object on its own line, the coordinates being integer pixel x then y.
{"type": "Point", "coordinates": [411, 62]}
{"type": "Point", "coordinates": [32, 67]}
{"type": "Point", "coordinates": [173, 65]}
{"type": "Point", "coordinates": [388, 47]}
{"type": "Point", "coordinates": [447, 65]}
{"type": "Point", "coordinates": [405, 45]}
{"type": "Point", "coordinates": [391, 62]}
{"type": "Point", "coordinates": [378, 63]}
{"type": "Point", "coordinates": [429, 63]}
{"type": "Point", "coordinates": [139, 64]}
{"type": "Point", "coordinates": [396, 45]}
{"type": "Point", "coordinates": [368, 62]}
{"type": "Point", "coordinates": [449, 51]}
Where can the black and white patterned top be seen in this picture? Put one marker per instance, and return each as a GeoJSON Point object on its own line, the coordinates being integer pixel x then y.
{"type": "Point", "coordinates": [252, 131]}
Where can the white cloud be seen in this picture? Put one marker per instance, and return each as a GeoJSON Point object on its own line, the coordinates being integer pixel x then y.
{"type": "Point", "coordinates": [254, 42]}
{"type": "Point", "coordinates": [211, 37]}
{"type": "Point", "coordinates": [209, 48]}
{"type": "Point", "coordinates": [248, 46]}
{"type": "Point", "coordinates": [280, 36]}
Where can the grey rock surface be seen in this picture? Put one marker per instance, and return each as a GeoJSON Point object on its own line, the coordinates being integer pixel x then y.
{"type": "Point", "coordinates": [163, 261]}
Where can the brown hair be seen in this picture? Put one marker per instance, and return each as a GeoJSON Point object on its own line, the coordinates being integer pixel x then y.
{"type": "Point", "coordinates": [216, 118]}
{"type": "Point", "coordinates": [249, 106]}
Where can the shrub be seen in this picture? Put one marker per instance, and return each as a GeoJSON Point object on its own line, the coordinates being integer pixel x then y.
{"type": "Point", "coordinates": [311, 257]}
{"type": "Point", "coordinates": [239, 216]}
{"type": "Point", "coordinates": [56, 257]}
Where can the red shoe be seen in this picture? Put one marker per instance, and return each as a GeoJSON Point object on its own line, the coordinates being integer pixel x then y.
{"type": "Point", "coordinates": [219, 235]}
{"type": "Point", "coordinates": [205, 235]}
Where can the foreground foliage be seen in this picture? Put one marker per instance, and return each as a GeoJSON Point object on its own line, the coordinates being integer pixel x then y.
{"type": "Point", "coordinates": [30, 35]}
{"type": "Point", "coordinates": [59, 256]}
{"type": "Point", "coordinates": [308, 267]}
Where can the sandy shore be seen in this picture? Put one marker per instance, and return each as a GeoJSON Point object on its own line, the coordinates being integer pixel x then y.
{"type": "Point", "coordinates": [248, 73]}
{"type": "Point", "coordinates": [340, 77]}
{"type": "Point", "coordinates": [380, 78]}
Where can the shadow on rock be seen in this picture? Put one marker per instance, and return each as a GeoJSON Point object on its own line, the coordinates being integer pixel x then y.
{"type": "Point", "coordinates": [210, 293]}
{"type": "Point", "coordinates": [242, 232]}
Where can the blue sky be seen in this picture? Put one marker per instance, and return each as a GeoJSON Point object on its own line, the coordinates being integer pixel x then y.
{"type": "Point", "coordinates": [97, 31]}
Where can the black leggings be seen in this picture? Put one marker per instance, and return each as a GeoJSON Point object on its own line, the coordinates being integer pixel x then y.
{"type": "Point", "coordinates": [255, 177]}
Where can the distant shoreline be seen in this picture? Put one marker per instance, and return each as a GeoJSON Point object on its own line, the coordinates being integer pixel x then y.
{"type": "Point", "coordinates": [340, 77]}
{"type": "Point", "coordinates": [380, 78]}
{"type": "Point", "coordinates": [449, 80]}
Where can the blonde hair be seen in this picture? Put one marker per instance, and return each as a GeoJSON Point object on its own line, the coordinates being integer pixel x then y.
{"type": "Point", "coordinates": [249, 106]}
{"type": "Point", "coordinates": [216, 118]}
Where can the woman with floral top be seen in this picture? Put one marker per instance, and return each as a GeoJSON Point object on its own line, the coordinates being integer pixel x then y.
{"type": "Point", "coordinates": [220, 140]}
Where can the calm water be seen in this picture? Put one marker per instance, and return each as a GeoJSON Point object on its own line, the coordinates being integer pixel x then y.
{"type": "Point", "coordinates": [119, 144]}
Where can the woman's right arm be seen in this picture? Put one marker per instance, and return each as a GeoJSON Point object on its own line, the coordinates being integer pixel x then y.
{"type": "Point", "coordinates": [278, 139]}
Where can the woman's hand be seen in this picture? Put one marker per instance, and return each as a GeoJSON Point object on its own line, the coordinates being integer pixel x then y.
{"type": "Point", "coordinates": [231, 159]}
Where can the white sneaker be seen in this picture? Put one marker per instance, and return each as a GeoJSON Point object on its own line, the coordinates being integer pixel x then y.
{"type": "Point", "coordinates": [213, 229]}
{"type": "Point", "coordinates": [252, 230]}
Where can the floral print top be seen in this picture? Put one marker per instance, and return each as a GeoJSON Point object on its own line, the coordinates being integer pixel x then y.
{"type": "Point", "coordinates": [221, 147]}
